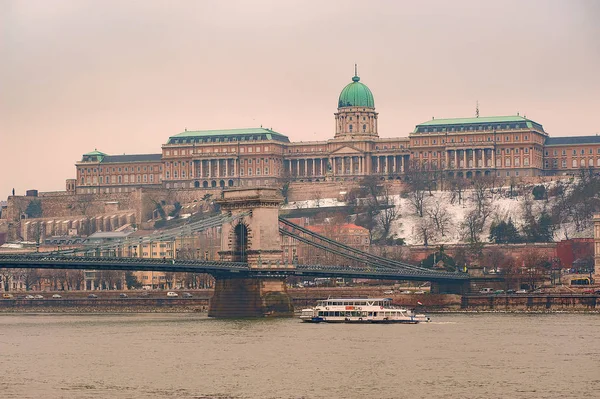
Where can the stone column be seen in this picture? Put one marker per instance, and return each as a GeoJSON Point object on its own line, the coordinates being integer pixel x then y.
{"type": "Point", "coordinates": [446, 159]}
{"type": "Point", "coordinates": [226, 167]}
{"type": "Point", "coordinates": [493, 158]}
{"type": "Point", "coordinates": [351, 165]}
{"type": "Point", "coordinates": [465, 165]}
{"type": "Point", "coordinates": [305, 167]}
{"type": "Point", "coordinates": [455, 159]}
{"type": "Point", "coordinates": [314, 169]}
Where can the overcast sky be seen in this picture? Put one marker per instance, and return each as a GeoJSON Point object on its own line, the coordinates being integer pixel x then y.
{"type": "Point", "coordinates": [123, 76]}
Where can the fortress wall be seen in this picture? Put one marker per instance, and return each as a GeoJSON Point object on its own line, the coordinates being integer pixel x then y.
{"type": "Point", "coordinates": [301, 191]}
{"type": "Point", "coordinates": [70, 206]}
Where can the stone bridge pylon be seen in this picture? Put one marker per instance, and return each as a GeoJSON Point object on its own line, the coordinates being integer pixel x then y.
{"type": "Point", "coordinates": [254, 239]}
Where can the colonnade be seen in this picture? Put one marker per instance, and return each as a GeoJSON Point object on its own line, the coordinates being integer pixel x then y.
{"type": "Point", "coordinates": [209, 168]}
{"type": "Point", "coordinates": [347, 165]}
{"type": "Point", "coordinates": [470, 158]}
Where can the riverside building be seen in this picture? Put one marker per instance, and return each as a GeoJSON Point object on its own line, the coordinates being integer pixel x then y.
{"type": "Point", "coordinates": [504, 146]}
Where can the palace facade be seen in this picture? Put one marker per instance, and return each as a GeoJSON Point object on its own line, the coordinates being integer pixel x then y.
{"type": "Point", "coordinates": [505, 146]}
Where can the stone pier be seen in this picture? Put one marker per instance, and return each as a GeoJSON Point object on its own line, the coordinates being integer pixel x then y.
{"type": "Point", "coordinates": [255, 239]}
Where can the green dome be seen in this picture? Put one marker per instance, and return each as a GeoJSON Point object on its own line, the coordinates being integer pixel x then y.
{"type": "Point", "coordinates": [356, 94]}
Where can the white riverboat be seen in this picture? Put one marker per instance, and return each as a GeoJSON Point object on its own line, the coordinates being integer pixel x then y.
{"type": "Point", "coordinates": [360, 310]}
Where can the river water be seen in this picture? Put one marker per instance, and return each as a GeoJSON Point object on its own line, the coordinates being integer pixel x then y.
{"type": "Point", "coordinates": [191, 356]}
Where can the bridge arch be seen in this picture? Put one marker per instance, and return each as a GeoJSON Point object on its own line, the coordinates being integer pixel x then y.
{"type": "Point", "coordinates": [240, 243]}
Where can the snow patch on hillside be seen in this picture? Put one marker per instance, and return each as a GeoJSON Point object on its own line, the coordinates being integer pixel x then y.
{"type": "Point", "coordinates": [504, 207]}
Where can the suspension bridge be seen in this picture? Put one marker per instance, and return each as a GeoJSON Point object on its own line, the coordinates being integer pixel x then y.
{"type": "Point", "coordinates": [251, 268]}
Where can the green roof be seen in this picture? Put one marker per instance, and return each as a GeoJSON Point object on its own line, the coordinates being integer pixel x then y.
{"type": "Point", "coordinates": [228, 134]}
{"type": "Point", "coordinates": [484, 120]}
{"type": "Point", "coordinates": [93, 156]}
{"type": "Point", "coordinates": [95, 152]}
{"type": "Point", "coordinates": [356, 94]}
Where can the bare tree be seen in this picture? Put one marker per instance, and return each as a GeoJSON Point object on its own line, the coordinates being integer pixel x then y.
{"type": "Point", "coordinates": [533, 267]}
{"type": "Point", "coordinates": [30, 277]}
{"type": "Point", "coordinates": [418, 184]}
{"type": "Point", "coordinates": [482, 197]}
{"type": "Point", "coordinates": [472, 225]}
{"type": "Point", "coordinates": [496, 258]}
{"type": "Point", "coordinates": [438, 213]}
{"type": "Point", "coordinates": [388, 213]}
{"type": "Point", "coordinates": [5, 277]}
{"type": "Point", "coordinates": [458, 185]}
{"type": "Point", "coordinates": [425, 231]}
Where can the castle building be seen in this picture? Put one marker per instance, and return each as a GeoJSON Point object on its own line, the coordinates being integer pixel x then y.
{"type": "Point", "coordinates": [504, 146]}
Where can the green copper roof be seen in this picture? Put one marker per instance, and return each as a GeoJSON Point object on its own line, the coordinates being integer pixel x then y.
{"type": "Point", "coordinates": [496, 122]}
{"type": "Point", "coordinates": [225, 135]}
{"type": "Point", "coordinates": [483, 119]}
{"type": "Point", "coordinates": [356, 94]}
{"type": "Point", "coordinates": [95, 152]}
{"type": "Point", "coordinates": [93, 156]}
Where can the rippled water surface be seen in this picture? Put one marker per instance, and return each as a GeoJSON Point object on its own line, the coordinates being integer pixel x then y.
{"type": "Point", "coordinates": [191, 356]}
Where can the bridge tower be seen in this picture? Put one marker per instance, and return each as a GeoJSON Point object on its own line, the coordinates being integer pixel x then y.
{"type": "Point", "coordinates": [254, 239]}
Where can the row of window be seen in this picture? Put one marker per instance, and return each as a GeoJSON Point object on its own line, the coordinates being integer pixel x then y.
{"type": "Point", "coordinates": [219, 139]}
{"type": "Point", "coordinates": [462, 140]}
{"type": "Point", "coordinates": [472, 128]}
{"type": "Point", "coordinates": [216, 150]}
{"type": "Point", "coordinates": [574, 163]}
{"type": "Point", "coordinates": [117, 179]}
{"type": "Point", "coordinates": [125, 169]}
{"type": "Point", "coordinates": [564, 152]}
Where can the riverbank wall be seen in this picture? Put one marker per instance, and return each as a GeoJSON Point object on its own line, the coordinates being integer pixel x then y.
{"type": "Point", "coordinates": [303, 298]}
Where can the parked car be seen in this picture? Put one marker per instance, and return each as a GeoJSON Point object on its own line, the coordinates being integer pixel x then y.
{"type": "Point", "coordinates": [388, 292]}
{"type": "Point", "coordinates": [7, 296]}
{"type": "Point", "coordinates": [499, 292]}
{"type": "Point", "coordinates": [172, 294]}
{"type": "Point", "coordinates": [406, 292]}
{"type": "Point", "coordinates": [486, 291]}
{"type": "Point", "coordinates": [38, 297]}
{"type": "Point", "coordinates": [57, 296]}
{"type": "Point", "coordinates": [419, 292]}
{"type": "Point", "coordinates": [521, 292]}
{"type": "Point", "coordinates": [122, 295]}
{"type": "Point", "coordinates": [186, 295]}
{"type": "Point", "coordinates": [92, 296]}
{"type": "Point", "coordinates": [29, 297]}
{"type": "Point", "coordinates": [511, 291]}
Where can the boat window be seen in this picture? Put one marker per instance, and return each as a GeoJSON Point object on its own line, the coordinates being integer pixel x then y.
{"type": "Point", "coordinates": [370, 314]}
{"type": "Point", "coordinates": [374, 314]}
